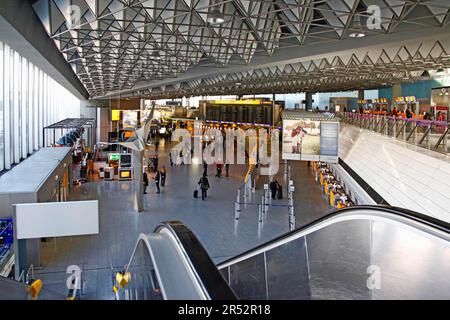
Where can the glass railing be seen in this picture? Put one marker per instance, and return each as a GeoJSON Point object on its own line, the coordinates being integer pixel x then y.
{"type": "Point", "coordinates": [366, 253]}
{"type": "Point", "coordinates": [429, 134]}
{"type": "Point", "coordinates": [144, 284]}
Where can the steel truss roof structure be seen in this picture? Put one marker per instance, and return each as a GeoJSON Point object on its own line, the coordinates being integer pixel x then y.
{"type": "Point", "coordinates": [129, 46]}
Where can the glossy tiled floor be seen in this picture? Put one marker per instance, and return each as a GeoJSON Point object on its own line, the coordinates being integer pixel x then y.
{"type": "Point", "coordinates": [211, 220]}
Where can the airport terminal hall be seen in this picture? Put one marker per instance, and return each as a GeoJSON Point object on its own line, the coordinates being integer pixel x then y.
{"type": "Point", "coordinates": [254, 150]}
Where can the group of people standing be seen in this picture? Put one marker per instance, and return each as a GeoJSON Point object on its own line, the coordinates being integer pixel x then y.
{"type": "Point", "coordinates": [159, 178]}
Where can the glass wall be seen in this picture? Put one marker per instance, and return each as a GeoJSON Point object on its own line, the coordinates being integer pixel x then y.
{"type": "Point", "coordinates": [29, 101]}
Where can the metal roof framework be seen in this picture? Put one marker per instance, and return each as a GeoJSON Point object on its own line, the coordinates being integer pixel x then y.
{"type": "Point", "coordinates": [119, 46]}
{"type": "Point", "coordinates": [72, 123]}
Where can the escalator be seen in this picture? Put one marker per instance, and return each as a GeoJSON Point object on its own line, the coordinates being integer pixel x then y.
{"type": "Point", "coordinates": [365, 252]}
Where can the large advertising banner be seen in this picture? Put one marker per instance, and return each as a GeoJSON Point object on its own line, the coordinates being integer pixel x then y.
{"type": "Point", "coordinates": [310, 139]}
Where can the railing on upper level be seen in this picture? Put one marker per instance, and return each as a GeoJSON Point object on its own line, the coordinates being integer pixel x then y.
{"type": "Point", "coordinates": [429, 134]}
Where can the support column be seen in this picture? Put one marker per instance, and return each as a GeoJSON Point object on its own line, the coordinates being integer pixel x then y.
{"type": "Point", "coordinates": [396, 92]}
{"type": "Point", "coordinates": [361, 94]}
{"type": "Point", "coordinates": [138, 180]}
{"type": "Point", "coordinates": [273, 109]}
{"type": "Point", "coordinates": [308, 99]}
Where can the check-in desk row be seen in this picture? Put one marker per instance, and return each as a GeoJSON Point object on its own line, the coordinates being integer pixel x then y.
{"type": "Point", "coordinates": [331, 186]}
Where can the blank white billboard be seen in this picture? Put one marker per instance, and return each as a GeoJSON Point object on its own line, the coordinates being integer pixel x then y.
{"type": "Point", "coordinates": [56, 219]}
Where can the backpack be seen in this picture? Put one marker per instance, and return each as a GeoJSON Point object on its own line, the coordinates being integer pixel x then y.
{"type": "Point", "coordinates": [204, 184]}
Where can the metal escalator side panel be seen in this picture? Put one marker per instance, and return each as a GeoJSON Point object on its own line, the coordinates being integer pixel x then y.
{"type": "Point", "coordinates": [203, 268]}
{"type": "Point", "coordinates": [157, 266]}
{"type": "Point", "coordinates": [145, 277]}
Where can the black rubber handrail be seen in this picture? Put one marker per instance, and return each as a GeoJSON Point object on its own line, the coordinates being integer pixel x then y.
{"type": "Point", "coordinates": [212, 279]}
{"type": "Point", "coordinates": [415, 216]}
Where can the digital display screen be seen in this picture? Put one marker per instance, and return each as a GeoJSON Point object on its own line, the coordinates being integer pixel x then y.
{"type": "Point", "coordinates": [125, 159]}
{"type": "Point", "coordinates": [125, 174]}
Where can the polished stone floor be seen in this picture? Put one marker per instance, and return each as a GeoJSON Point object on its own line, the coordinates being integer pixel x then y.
{"type": "Point", "coordinates": [100, 256]}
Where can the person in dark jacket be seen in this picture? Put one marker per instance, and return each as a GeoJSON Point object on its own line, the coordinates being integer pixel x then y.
{"type": "Point", "coordinates": [145, 181]}
{"type": "Point", "coordinates": [219, 170]}
{"type": "Point", "coordinates": [157, 177]}
{"type": "Point", "coordinates": [205, 168]}
{"type": "Point", "coordinates": [204, 185]}
{"type": "Point", "coordinates": [163, 173]}
{"type": "Point", "coordinates": [273, 188]}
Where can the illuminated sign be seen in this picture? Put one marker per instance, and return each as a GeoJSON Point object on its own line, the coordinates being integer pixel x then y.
{"type": "Point", "coordinates": [115, 115]}
{"type": "Point", "coordinates": [113, 157]}
{"type": "Point", "coordinates": [243, 102]}
{"type": "Point", "coordinates": [125, 174]}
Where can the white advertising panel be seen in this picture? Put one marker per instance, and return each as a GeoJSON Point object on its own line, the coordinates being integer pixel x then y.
{"type": "Point", "coordinates": [56, 219]}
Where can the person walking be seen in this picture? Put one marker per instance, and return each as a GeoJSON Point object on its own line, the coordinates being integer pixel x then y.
{"type": "Point", "coordinates": [219, 170]}
{"type": "Point", "coordinates": [172, 158]}
{"type": "Point", "coordinates": [145, 181]}
{"type": "Point", "coordinates": [157, 178]}
{"type": "Point", "coordinates": [204, 185]}
{"type": "Point", "coordinates": [273, 188]}
{"type": "Point", "coordinates": [227, 169]}
{"type": "Point", "coordinates": [163, 176]}
{"type": "Point", "coordinates": [205, 168]}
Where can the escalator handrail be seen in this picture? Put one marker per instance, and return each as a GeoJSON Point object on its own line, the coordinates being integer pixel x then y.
{"type": "Point", "coordinates": [434, 223]}
{"type": "Point", "coordinates": [204, 268]}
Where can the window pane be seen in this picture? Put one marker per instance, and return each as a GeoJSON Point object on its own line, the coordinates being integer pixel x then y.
{"type": "Point", "coordinates": [16, 108]}
{"type": "Point", "coordinates": [24, 109]}
{"type": "Point", "coordinates": [29, 101]}
{"type": "Point", "coordinates": [7, 105]}
{"type": "Point", "coordinates": [2, 72]}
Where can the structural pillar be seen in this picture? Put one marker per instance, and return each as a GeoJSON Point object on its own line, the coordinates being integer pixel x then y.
{"type": "Point", "coordinates": [138, 180]}
{"type": "Point", "coordinates": [309, 100]}
{"type": "Point", "coordinates": [361, 94]}
{"type": "Point", "coordinates": [273, 109]}
{"type": "Point", "coordinates": [396, 92]}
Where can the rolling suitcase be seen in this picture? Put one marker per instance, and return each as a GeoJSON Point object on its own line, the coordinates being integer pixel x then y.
{"type": "Point", "coordinates": [196, 193]}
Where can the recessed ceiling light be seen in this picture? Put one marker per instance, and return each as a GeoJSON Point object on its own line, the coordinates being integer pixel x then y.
{"type": "Point", "coordinates": [357, 27]}
{"type": "Point", "coordinates": [215, 17]}
{"type": "Point", "coordinates": [357, 35]}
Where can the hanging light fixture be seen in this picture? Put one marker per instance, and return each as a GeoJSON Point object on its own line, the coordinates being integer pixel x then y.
{"type": "Point", "coordinates": [215, 17]}
{"type": "Point", "coordinates": [357, 28]}
{"type": "Point", "coordinates": [440, 72]}
{"type": "Point", "coordinates": [425, 74]}
{"type": "Point", "coordinates": [155, 55]}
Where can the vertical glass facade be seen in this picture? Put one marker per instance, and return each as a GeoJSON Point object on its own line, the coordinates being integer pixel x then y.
{"type": "Point", "coordinates": [29, 101]}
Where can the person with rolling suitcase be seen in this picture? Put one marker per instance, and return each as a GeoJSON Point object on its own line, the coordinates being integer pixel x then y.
{"type": "Point", "coordinates": [204, 185]}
